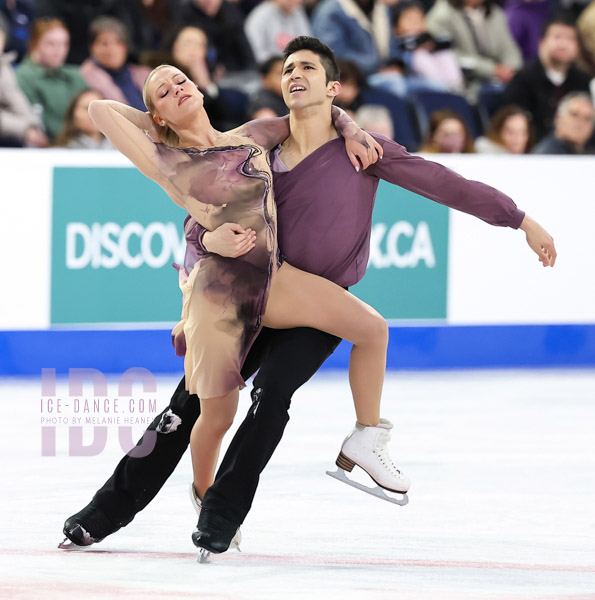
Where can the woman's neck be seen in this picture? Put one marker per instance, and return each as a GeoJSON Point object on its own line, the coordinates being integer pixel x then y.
{"type": "Point", "coordinates": [197, 133]}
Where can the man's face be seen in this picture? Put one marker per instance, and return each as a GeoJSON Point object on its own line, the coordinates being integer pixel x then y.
{"type": "Point", "coordinates": [304, 81]}
{"type": "Point", "coordinates": [559, 44]}
{"type": "Point", "coordinates": [575, 125]}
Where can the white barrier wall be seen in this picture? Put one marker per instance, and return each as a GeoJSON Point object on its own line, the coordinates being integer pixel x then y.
{"type": "Point", "coordinates": [492, 275]}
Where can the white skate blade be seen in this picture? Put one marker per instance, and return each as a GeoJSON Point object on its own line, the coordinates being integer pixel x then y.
{"type": "Point", "coordinates": [203, 556]}
{"type": "Point", "coordinates": [69, 545]}
{"type": "Point", "coordinates": [340, 475]}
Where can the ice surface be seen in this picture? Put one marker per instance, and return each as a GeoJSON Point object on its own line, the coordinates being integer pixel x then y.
{"type": "Point", "coordinates": [502, 501]}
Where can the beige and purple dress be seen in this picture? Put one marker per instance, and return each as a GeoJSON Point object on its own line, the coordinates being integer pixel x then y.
{"type": "Point", "coordinates": [224, 299]}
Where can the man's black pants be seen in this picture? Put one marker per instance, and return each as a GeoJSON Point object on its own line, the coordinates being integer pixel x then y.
{"type": "Point", "coordinates": [285, 360]}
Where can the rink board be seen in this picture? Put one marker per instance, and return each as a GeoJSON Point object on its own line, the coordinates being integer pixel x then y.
{"type": "Point", "coordinates": [88, 276]}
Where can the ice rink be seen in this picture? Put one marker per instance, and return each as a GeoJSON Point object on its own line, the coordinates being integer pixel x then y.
{"type": "Point", "coordinates": [502, 502]}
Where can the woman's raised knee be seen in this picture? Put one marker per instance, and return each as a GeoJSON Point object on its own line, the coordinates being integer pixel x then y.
{"type": "Point", "coordinates": [374, 330]}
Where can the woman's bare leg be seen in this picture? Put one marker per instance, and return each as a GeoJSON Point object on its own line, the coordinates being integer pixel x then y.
{"type": "Point", "coordinates": [299, 299]}
{"type": "Point", "coordinates": [216, 417]}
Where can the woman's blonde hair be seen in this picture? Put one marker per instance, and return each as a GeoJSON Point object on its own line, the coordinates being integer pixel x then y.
{"type": "Point", "coordinates": [166, 134]}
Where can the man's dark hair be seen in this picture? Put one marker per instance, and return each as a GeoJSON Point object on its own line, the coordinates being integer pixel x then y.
{"type": "Point", "coordinates": [562, 18]}
{"type": "Point", "coordinates": [267, 65]}
{"type": "Point", "coordinates": [326, 55]}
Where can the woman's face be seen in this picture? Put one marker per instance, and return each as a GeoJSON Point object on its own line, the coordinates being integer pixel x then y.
{"type": "Point", "coordinates": [190, 46]}
{"type": "Point", "coordinates": [109, 50]}
{"type": "Point", "coordinates": [175, 98]}
{"type": "Point", "coordinates": [449, 136]}
{"type": "Point", "coordinates": [81, 118]}
{"type": "Point", "coordinates": [52, 48]}
{"type": "Point", "coordinates": [514, 134]}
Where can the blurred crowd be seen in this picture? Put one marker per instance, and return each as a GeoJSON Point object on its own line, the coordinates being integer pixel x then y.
{"type": "Point", "coordinates": [448, 76]}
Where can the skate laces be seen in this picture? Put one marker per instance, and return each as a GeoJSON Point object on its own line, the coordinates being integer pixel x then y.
{"type": "Point", "coordinates": [382, 451]}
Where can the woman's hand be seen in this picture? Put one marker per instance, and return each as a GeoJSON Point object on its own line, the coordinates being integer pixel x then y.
{"type": "Point", "coordinates": [365, 148]}
{"type": "Point", "coordinates": [229, 240]}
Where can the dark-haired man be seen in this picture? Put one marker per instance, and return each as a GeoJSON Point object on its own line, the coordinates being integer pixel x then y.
{"type": "Point", "coordinates": [539, 86]}
{"type": "Point", "coordinates": [317, 235]}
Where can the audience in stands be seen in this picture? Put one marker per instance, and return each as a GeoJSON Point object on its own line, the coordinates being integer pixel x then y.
{"type": "Point", "coordinates": [352, 83]}
{"type": "Point", "coordinates": [47, 81]}
{"type": "Point", "coordinates": [427, 58]}
{"type": "Point", "coordinates": [77, 15]}
{"type": "Point", "coordinates": [509, 133]}
{"type": "Point", "coordinates": [79, 131]}
{"type": "Point", "coordinates": [390, 50]}
{"type": "Point", "coordinates": [18, 15]}
{"type": "Point", "coordinates": [223, 22]}
{"type": "Point", "coordinates": [480, 37]}
{"type": "Point", "coordinates": [356, 30]}
{"type": "Point", "coordinates": [539, 86]}
{"type": "Point", "coordinates": [526, 19]}
{"type": "Point", "coordinates": [107, 69]}
{"type": "Point", "coordinates": [573, 127]}
{"type": "Point", "coordinates": [377, 119]}
{"type": "Point", "coordinates": [448, 134]}
{"type": "Point", "coordinates": [19, 124]}
{"type": "Point", "coordinates": [267, 101]}
{"type": "Point", "coordinates": [273, 24]}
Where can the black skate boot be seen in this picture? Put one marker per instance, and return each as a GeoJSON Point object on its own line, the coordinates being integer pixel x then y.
{"type": "Point", "coordinates": [213, 532]}
{"type": "Point", "coordinates": [89, 526]}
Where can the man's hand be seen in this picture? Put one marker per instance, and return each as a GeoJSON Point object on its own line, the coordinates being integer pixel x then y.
{"type": "Point", "coordinates": [365, 148]}
{"type": "Point", "coordinates": [229, 240]}
{"type": "Point", "coordinates": [540, 241]}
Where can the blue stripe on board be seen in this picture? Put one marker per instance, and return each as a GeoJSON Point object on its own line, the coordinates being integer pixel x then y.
{"type": "Point", "coordinates": [423, 347]}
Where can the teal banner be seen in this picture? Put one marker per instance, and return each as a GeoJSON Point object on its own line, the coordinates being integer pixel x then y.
{"type": "Point", "coordinates": [115, 235]}
{"type": "Point", "coordinates": [407, 270]}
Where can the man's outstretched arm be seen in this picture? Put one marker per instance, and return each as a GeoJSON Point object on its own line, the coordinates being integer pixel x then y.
{"type": "Point", "coordinates": [443, 185]}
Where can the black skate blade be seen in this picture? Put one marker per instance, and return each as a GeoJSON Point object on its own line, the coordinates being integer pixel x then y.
{"type": "Point", "coordinates": [339, 475]}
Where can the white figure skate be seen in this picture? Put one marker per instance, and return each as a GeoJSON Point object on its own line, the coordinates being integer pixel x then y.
{"type": "Point", "coordinates": [203, 555]}
{"type": "Point", "coordinates": [366, 447]}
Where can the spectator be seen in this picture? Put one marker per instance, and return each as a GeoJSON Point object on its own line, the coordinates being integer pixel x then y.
{"type": "Point", "coordinates": [480, 38]}
{"type": "Point", "coordinates": [48, 83]}
{"type": "Point", "coordinates": [352, 82]}
{"type": "Point", "coordinates": [586, 37]}
{"type": "Point", "coordinates": [77, 17]}
{"type": "Point", "coordinates": [539, 86]}
{"type": "Point", "coordinates": [357, 30]}
{"type": "Point", "coordinates": [223, 22]}
{"type": "Point", "coordinates": [448, 134]}
{"type": "Point", "coordinates": [427, 57]}
{"type": "Point", "coordinates": [107, 70]}
{"type": "Point", "coordinates": [273, 24]}
{"type": "Point", "coordinates": [18, 15]}
{"type": "Point", "coordinates": [509, 133]}
{"type": "Point", "coordinates": [268, 100]}
{"type": "Point", "coordinates": [19, 125]}
{"type": "Point", "coordinates": [573, 127]}
{"type": "Point", "coordinates": [78, 130]}
{"type": "Point", "coordinates": [525, 21]}
{"type": "Point", "coordinates": [190, 52]}
{"type": "Point", "coordinates": [376, 118]}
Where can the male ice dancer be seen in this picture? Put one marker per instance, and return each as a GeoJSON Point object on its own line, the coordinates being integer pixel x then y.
{"type": "Point", "coordinates": [324, 223]}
